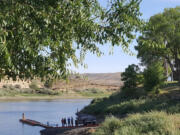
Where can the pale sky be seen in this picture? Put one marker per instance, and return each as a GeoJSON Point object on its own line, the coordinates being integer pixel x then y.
{"type": "Point", "coordinates": [120, 60]}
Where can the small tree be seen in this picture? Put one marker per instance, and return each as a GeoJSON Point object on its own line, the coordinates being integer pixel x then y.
{"type": "Point", "coordinates": [131, 79]}
{"type": "Point", "coordinates": [154, 77]}
{"type": "Point", "coordinates": [48, 83]}
{"type": "Point", "coordinates": [33, 85]}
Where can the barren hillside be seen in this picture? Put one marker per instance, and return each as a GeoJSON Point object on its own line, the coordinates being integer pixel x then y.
{"type": "Point", "coordinates": [103, 81]}
{"type": "Point", "coordinates": [108, 81]}
{"type": "Point", "coordinates": [104, 78]}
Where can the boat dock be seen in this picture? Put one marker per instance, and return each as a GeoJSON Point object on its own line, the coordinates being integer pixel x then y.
{"type": "Point", "coordinates": [37, 123]}
{"type": "Point", "coordinates": [34, 123]}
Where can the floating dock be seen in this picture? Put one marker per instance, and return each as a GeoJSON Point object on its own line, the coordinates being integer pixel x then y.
{"type": "Point", "coordinates": [37, 123]}
{"type": "Point", "coordinates": [34, 123]}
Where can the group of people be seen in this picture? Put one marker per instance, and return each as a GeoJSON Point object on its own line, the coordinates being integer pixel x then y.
{"type": "Point", "coordinates": [67, 122]}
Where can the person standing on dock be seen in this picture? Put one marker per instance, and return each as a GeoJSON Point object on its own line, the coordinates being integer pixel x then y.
{"type": "Point", "coordinates": [69, 121]}
{"type": "Point", "coordinates": [23, 116]}
{"type": "Point", "coordinates": [72, 121]}
{"type": "Point", "coordinates": [62, 122]}
{"type": "Point", "coordinates": [65, 122]}
{"type": "Point", "coordinates": [76, 123]}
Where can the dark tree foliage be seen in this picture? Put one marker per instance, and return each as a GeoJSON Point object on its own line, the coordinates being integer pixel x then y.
{"type": "Point", "coordinates": [40, 38]}
{"type": "Point", "coordinates": [160, 40]}
{"type": "Point", "coordinates": [154, 77]}
{"type": "Point", "coordinates": [132, 78]}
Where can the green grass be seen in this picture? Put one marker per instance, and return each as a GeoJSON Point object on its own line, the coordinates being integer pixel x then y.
{"type": "Point", "coordinates": [119, 105]}
{"type": "Point", "coordinates": [107, 106]}
{"type": "Point", "coordinates": [40, 92]}
{"type": "Point", "coordinates": [141, 114]}
{"type": "Point", "coordinates": [98, 95]}
{"type": "Point", "coordinates": [152, 123]}
{"type": "Point", "coordinates": [10, 92]}
{"type": "Point", "coordinates": [95, 93]}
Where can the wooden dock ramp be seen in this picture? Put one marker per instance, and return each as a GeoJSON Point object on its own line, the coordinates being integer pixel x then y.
{"type": "Point", "coordinates": [34, 123]}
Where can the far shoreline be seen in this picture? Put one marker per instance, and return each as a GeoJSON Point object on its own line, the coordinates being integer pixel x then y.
{"type": "Point", "coordinates": [39, 98]}
{"type": "Point", "coordinates": [36, 97]}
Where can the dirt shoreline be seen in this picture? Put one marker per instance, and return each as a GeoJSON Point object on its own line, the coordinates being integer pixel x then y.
{"type": "Point", "coordinates": [73, 131]}
{"type": "Point", "coordinates": [25, 98]}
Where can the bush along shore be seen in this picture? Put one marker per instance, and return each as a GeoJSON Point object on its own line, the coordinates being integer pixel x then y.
{"type": "Point", "coordinates": [141, 115]}
{"type": "Point", "coordinates": [152, 123]}
{"type": "Point", "coordinates": [11, 91]}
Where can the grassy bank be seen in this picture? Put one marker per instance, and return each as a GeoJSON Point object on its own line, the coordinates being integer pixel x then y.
{"type": "Point", "coordinates": [143, 112]}
{"type": "Point", "coordinates": [9, 92]}
{"type": "Point", "coordinates": [117, 105]}
{"type": "Point", "coordinates": [93, 92]}
{"type": "Point", "coordinates": [152, 123]}
{"type": "Point", "coordinates": [12, 93]}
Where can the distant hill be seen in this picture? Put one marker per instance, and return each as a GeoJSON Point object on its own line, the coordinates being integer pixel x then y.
{"type": "Point", "coordinates": [103, 81]}
{"type": "Point", "coordinates": [105, 78]}
{"type": "Point", "coordinates": [106, 81]}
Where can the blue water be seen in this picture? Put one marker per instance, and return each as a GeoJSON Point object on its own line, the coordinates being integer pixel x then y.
{"type": "Point", "coordinates": [43, 111]}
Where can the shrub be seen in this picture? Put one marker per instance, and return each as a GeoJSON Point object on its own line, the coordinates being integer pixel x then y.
{"type": "Point", "coordinates": [11, 87]}
{"type": "Point", "coordinates": [129, 92]}
{"type": "Point", "coordinates": [28, 91]}
{"type": "Point", "coordinates": [17, 86]}
{"type": "Point", "coordinates": [48, 83]}
{"type": "Point", "coordinates": [5, 86]}
{"type": "Point", "coordinates": [33, 85]}
{"type": "Point", "coordinates": [152, 123]}
{"type": "Point", "coordinates": [131, 78]}
{"type": "Point", "coordinates": [154, 77]}
{"type": "Point", "coordinates": [94, 90]}
{"type": "Point", "coordinates": [46, 92]}
{"type": "Point", "coordinates": [109, 126]}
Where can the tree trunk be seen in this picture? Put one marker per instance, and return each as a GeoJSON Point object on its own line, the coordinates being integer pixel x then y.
{"type": "Point", "coordinates": [177, 65]}
{"type": "Point", "coordinates": [178, 72]}
{"type": "Point", "coordinates": [166, 69]}
{"type": "Point", "coordinates": [173, 74]}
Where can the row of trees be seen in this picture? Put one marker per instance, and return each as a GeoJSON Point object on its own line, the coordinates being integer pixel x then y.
{"type": "Point", "coordinates": [160, 42]}
{"type": "Point", "coordinates": [159, 51]}
{"type": "Point", "coordinates": [151, 79]}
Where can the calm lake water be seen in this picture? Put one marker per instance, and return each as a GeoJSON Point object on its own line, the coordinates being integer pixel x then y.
{"type": "Point", "coordinates": [43, 111]}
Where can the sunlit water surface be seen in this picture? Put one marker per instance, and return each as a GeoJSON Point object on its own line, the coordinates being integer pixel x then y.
{"type": "Point", "coordinates": [43, 111]}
